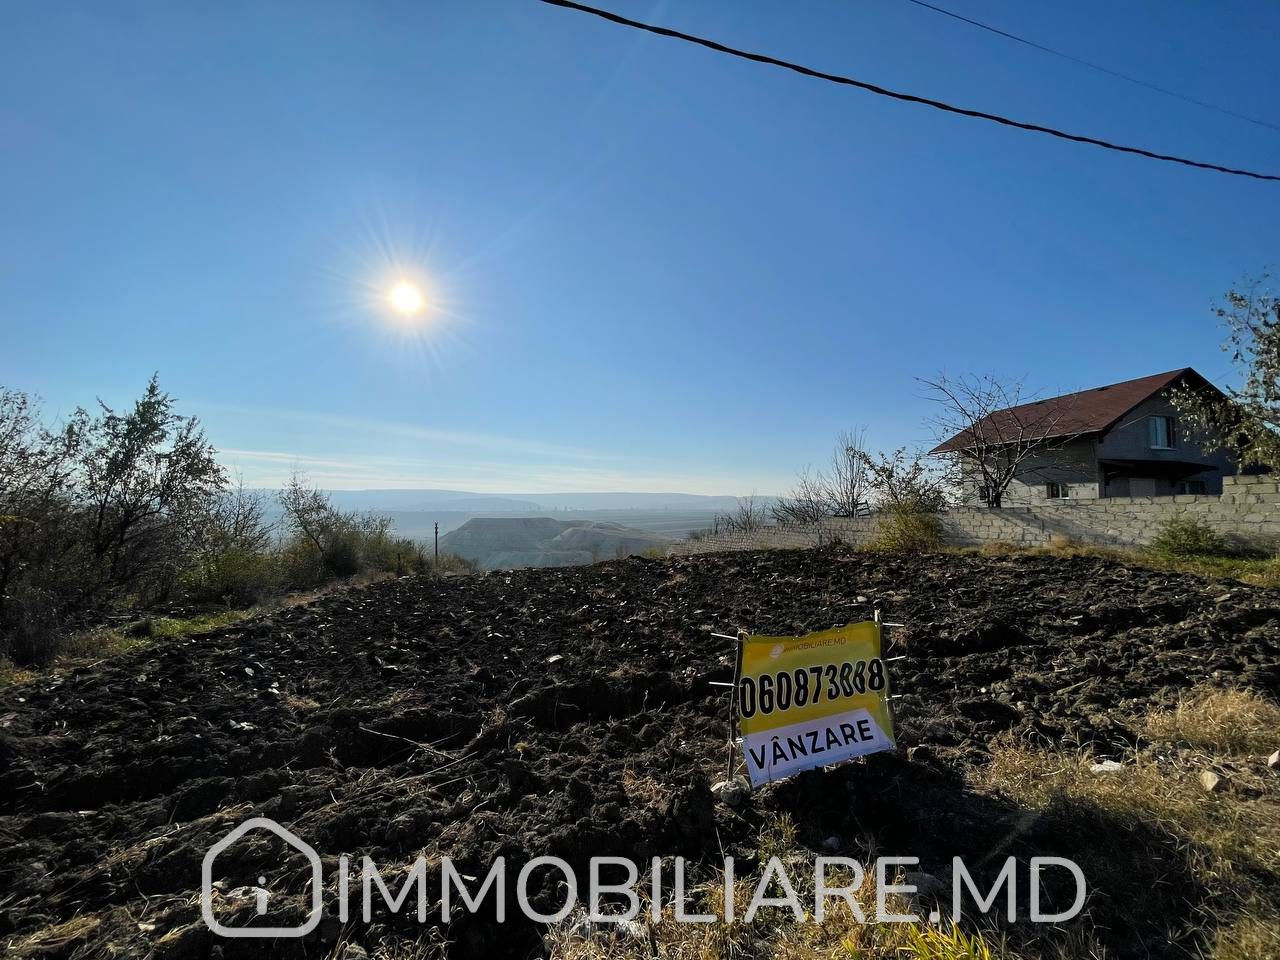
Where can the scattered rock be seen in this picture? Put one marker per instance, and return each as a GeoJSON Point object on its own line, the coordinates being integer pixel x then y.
{"type": "Point", "coordinates": [733, 792]}
{"type": "Point", "coordinates": [1106, 766]}
{"type": "Point", "coordinates": [1212, 782]}
{"type": "Point", "coordinates": [1273, 761]}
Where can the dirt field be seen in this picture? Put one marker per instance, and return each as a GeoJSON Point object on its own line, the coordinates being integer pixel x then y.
{"type": "Point", "coordinates": [568, 712]}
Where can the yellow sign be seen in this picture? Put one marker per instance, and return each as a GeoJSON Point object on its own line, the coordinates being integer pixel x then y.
{"type": "Point", "coordinates": [810, 701]}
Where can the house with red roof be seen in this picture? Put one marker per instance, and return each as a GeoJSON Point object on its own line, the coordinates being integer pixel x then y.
{"type": "Point", "coordinates": [1119, 440]}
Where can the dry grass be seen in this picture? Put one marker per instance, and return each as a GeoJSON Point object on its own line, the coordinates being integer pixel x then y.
{"type": "Point", "coordinates": [1255, 570]}
{"type": "Point", "coordinates": [1258, 571]}
{"type": "Point", "coordinates": [1231, 722]}
{"type": "Point", "coordinates": [1172, 838]}
{"type": "Point", "coordinates": [1222, 832]}
{"type": "Point", "coordinates": [58, 939]}
{"type": "Point", "coordinates": [1249, 937]}
{"type": "Point", "coordinates": [11, 673]}
{"type": "Point", "coordinates": [774, 933]}
{"type": "Point", "coordinates": [1161, 855]}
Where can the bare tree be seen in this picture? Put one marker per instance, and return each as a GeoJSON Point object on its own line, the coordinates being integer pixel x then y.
{"type": "Point", "coordinates": [307, 511]}
{"type": "Point", "coordinates": [340, 542]}
{"type": "Point", "coordinates": [991, 432]}
{"type": "Point", "coordinates": [807, 502]}
{"type": "Point", "coordinates": [238, 520]}
{"type": "Point", "coordinates": [846, 486]}
{"type": "Point", "coordinates": [842, 491]}
{"type": "Point", "coordinates": [750, 514]}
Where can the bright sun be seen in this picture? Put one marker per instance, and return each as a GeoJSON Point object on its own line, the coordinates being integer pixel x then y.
{"type": "Point", "coordinates": [406, 299]}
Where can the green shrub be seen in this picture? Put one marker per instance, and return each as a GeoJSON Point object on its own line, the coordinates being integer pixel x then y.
{"type": "Point", "coordinates": [238, 576]}
{"type": "Point", "coordinates": [1187, 537]}
{"type": "Point", "coordinates": [341, 557]}
{"type": "Point", "coordinates": [905, 527]}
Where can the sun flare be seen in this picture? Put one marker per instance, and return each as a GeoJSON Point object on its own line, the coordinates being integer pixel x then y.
{"type": "Point", "coordinates": [406, 299]}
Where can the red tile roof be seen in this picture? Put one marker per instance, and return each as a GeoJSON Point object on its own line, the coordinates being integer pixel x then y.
{"type": "Point", "coordinates": [1072, 414]}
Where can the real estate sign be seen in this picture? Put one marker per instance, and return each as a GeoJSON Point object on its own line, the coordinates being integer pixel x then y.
{"type": "Point", "coordinates": [812, 700]}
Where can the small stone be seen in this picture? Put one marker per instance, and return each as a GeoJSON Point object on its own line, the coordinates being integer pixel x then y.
{"type": "Point", "coordinates": [733, 792]}
{"type": "Point", "coordinates": [555, 658]}
{"type": "Point", "coordinates": [831, 843]}
{"type": "Point", "coordinates": [929, 888]}
{"type": "Point", "coordinates": [1106, 766]}
{"type": "Point", "coordinates": [1211, 782]}
{"type": "Point", "coordinates": [1273, 761]}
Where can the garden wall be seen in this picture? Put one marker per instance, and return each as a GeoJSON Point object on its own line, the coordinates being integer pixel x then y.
{"type": "Point", "coordinates": [1247, 514]}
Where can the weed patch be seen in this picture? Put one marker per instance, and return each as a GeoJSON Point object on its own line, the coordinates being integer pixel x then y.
{"type": "Point", "coordinates": [1224, 721]}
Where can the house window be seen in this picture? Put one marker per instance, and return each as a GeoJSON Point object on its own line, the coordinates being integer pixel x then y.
{"type": "Point", "coordinates": [1162, 433]}
{"type": "Point", "coordinates": [1056, 491]}
{"type": "Point", "coordinates": [1193, 486]}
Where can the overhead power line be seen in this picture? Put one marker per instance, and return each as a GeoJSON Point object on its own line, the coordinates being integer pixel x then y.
{"type": "Point", "coordinates": [906, 97]}
{"type": "Point", "coordinates": [1093, 66]}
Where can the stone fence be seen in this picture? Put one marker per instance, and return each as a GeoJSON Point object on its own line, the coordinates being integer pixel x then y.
{"type": "Point", "coordinates": [1247, 514]}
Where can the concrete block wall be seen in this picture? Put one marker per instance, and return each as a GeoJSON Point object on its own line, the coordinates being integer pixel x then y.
{"type": "Point", "coordinates": [1247, 514]}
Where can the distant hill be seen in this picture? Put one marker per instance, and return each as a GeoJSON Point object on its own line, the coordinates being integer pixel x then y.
{"type": "Point", "coordinates": [503, 543]}
{"type": "Point", "coordinates": [450, 501]}
{"type": "Point", "coordinates": [465, 501]}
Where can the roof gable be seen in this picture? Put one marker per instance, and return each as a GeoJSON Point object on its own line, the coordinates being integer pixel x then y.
{"type": "Point", "coordinates": [1071, 414]}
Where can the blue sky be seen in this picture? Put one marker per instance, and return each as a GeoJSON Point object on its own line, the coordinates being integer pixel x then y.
{"type": "Point", "coordinates": [651, 266]}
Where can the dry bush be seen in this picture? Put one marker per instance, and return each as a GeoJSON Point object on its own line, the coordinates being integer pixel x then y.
{"type": "Point", "coordinates": [1224, 721]}
{"type": "Point", "coordinates": [908, 529]}
{"type": "Point", "coordinates": [999, 548]}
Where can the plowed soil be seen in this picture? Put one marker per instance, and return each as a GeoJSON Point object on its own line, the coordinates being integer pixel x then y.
{"type": "Point", "coordinates": [567, 712]}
